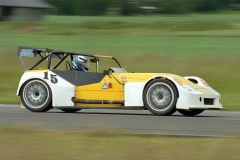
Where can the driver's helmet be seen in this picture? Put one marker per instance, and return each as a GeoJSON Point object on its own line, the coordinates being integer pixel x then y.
{"type": "Point", "coordinates": [80, 63]}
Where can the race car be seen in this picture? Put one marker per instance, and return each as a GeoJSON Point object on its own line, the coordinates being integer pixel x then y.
{"type": "Point", "coordinates": [52, 82]}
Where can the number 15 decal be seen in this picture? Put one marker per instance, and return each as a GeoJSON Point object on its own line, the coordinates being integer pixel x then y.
{"type": "Point", "coordinates": [52, 76]}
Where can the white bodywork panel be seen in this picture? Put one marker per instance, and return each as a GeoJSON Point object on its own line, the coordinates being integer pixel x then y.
{"type": "Point", "coordinates": [189, 98]}
{"type": "Point", "coordinates": [133, 93]}
{"type": "Point", "coordinates": [62, 91]}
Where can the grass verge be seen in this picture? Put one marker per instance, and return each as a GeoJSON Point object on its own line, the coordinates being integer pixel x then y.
{"type": "Point", "coordinates": [24, 144]}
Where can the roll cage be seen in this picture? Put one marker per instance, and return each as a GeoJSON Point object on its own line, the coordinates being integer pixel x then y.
{"type": "Point", "coordinates": [48, 54]}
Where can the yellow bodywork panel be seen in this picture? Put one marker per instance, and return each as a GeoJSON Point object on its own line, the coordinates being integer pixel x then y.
{"type": "Point", "coordinates": [108, 89]}
{"type": "Point", "coordinates": [200, 89]}
{"type": "Point", "coordinates": [144, 77]}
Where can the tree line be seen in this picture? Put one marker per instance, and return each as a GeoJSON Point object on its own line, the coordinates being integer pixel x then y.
{"type": "Point", "coordinates": [131, 7]}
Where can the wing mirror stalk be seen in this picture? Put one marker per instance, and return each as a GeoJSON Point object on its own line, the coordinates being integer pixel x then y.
{"type": "Point", "coordinates": [106, 72]}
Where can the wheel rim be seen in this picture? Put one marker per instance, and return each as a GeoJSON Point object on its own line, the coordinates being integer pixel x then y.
{"type": "Point", "coordinates": [160, 96]}
{"type": "Point", "coordinates": [35, 94]}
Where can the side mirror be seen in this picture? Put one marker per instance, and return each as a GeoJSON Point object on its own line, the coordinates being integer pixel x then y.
{"type": "Point", "coordinates": [106, 72]}
{"type": "Point", "coordinates": [93, 60]}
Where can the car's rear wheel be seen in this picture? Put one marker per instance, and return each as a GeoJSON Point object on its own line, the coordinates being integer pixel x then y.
{"type": "Point", "coordinates": [190, 113]}
{"type": "Point", "coordinates": [70, 110]}
{"type": "Point", "coordinates": [36, 96]}
{"type": "Point", "coordinates": [160, 97]}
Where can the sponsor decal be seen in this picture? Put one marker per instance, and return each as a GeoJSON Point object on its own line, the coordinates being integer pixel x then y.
{"type": "Point", "coordinates": [27, 53]}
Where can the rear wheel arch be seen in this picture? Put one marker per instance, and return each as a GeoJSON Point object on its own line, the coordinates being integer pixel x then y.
{"type": "Point", "coordinates": [47, 103]}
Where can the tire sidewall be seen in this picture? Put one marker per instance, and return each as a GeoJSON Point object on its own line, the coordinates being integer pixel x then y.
{"type": "Point", "coordinates": [48, 103]}
{"type": "Point", "coordinates": [172, 108]}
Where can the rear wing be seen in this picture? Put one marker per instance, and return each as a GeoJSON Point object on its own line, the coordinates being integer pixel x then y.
{"type": "Point", "coordinates": [30, 52]}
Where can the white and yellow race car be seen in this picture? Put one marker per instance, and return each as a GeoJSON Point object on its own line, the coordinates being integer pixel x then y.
{"type": "Point", "coordinates": [52, 83]}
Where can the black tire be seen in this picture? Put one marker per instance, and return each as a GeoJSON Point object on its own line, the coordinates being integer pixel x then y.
{"type": "Point", "coordinates": [190, 113]}
{"type": "Point", "coordinates": [160, 97]}
{"type": "Point", "coordinates": [70, 110]}
{"type": "Point", "coordinates": [36, 96]}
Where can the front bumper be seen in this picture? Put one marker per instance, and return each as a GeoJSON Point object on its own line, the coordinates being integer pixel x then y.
{"type": "Point", "coordinates": [196, 100]}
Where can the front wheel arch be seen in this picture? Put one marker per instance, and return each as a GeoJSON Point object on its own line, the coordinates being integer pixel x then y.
{"type": "Point", "coordinates": [162, 78]}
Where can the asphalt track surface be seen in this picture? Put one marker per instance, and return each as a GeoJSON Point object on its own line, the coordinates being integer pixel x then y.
{"type": "Point", "coordinates": [209, 123]}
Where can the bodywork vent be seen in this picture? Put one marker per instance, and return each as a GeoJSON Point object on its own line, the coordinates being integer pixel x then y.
{"type": "Point", "coordinates": [208, 101]}
{"type": "Point", "coordinates": [193, 80]}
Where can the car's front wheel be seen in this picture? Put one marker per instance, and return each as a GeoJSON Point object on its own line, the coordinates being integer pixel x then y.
{"type": "Point", "coordinates": [36, 96]}
{"type": "Point", "coordinates": [160, 97]}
